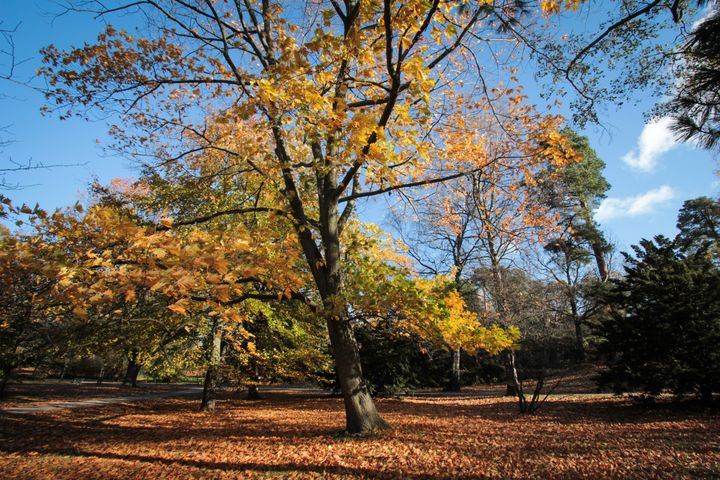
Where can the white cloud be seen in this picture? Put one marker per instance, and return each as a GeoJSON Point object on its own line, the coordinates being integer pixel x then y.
{"type": "Point", "coordinates": [655, 139]}
{"type": "Point", "coordinates": [707, 11]}
{"type": "Point", "coordinates": [634, 206]}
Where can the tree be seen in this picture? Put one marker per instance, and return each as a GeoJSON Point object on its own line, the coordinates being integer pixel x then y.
{"type": "Point", "coordinates": [288, 345]}
{"type": "Point", "coordinates": [479, 219]}
{"type": "Point", "coordinates": [664, 330]}
{"type": "Point", "coordinates": [28, 308]}
{"type": "Point", "coordinates": [566, 263]}
{"type": "Point", "coordinates": [643, 46]}
{"type": "Point", "coordinates": [574, 192]}
{"type": "Point", "coordinates": [695, 104]}
{"type": "Point", "coordinates": [335, 103]}
{"type": "Point", "coordinates": [630, 46]}
{"type": "Point", "coordinates": [397, 359]}
{"type": "Point", "coordinates": [699, 224]}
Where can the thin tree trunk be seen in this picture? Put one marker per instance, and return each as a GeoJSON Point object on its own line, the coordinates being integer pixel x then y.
{"type": "Point", "coordinates": [210, 386]}
{"type": "Point", "coordinates": [102, 373]}
{"type": "Point", "coordinates": [517, 384]}
{"type": "Point", "coordinates": [579, 340]}
{"type": "Point", "coordinates": [133, 369]}
{"type": "Point", "coordinates": [577, 321]}
{"type": "Point", "coordinates": [7, 370]}
{"type": "Point", "coordinates": [64, 369]}
{"type": "Point", "coordinates": [455, 385]}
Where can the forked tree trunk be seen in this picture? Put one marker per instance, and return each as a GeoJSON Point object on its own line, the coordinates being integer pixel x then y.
{"type": "Point", "coordinates": [454, 385]}
{"type": "Point", "coordinates": [133, 369]}
{"type": "Point", "coordinates": [361, 414]}
{"type": "Point", "coordinates": [596, 245]}
{"type": "Point", "coordinates": [210, 386]}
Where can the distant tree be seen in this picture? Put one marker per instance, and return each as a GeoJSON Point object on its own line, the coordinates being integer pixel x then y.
{"type": "Point", "coordinates": [282, 343]}
{"type": "Point", "coordinates": [664, 329]}
{"type": "Point", "coordinates": [574, 192]}
{"type": "Point", "coordinates": [568, 267]}
{"type": "Point", "coordinates": [699, 223]}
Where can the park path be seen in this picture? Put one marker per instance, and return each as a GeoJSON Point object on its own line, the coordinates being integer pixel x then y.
{"type": "Point", "coordinates": [95, 402]}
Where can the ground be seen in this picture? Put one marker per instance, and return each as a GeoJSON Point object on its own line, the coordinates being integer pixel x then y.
{"type": "Point", "coordinates": [296, 434]}
{"type": "Point", "coordinates": [27, 394]}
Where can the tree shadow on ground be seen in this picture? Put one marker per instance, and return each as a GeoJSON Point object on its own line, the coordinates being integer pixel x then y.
{"type": "Point", "coordinates": [563, 409]}
{"type": "Point", "coordinates": [149, 432]}
{"type": "Point", "coordinates": [241, 467]}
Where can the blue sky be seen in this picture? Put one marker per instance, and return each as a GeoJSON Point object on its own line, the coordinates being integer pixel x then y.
{"type": "Point", "coordinates": [650, 175]}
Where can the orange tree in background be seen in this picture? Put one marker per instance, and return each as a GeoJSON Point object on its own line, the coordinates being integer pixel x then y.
{"type": "Point", "coordinates": [336, 101]}
{"type": "Point", "coordinates": [483, 219]}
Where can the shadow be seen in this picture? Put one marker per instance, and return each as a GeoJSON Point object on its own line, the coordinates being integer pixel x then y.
{"type": "Point", "coordinates": [238, 467]}
{"type": "Point", "coordinates": [559, 408]}
{"type": "Point", "coordinates": [473, 428]}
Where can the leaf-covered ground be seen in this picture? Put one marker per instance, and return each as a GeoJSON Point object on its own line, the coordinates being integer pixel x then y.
{"type": "Point", "coordinates": [290, 435]}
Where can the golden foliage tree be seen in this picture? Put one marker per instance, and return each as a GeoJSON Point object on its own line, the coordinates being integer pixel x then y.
{"type": "Point", "coordinates": [327, 102]}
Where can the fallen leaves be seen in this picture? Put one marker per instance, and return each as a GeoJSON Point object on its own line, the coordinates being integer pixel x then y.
{"type": "Point", "coordinates": [292, 436]}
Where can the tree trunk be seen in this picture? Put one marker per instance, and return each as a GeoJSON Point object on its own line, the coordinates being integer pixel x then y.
{"type": "Point", "coordinates": [361, 415]}
{"type": "Point", "coordinates": [64, 369]}
{"type": "Point", "coordinates": [252, 392]}
{"type": "Point", "coordinates": [6, 371]}
{"type": "Point", "coordinates": [579, 340]}
{"type": "Point", "coordinates": [577, 321]}
{"type": "Point", "coordinates": [102, 373]}
{"type": "Point", "coordinates": [210, 386]}
{"type": "Point", "coordinates": [454, 385]}
{"type": "Point", "coordinates": [133, 369]}
{"type": "Point", "coordinates": [600, 261]}
{"type": "Point", "coordinates": [516, 383]}
{"type": "Point", "coordinates": [360, 412]}
{"type": "Point", "coordinates": [596, 243]}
